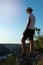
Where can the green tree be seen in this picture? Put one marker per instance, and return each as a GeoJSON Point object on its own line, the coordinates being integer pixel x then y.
{"type": "Point", "coordinates": [37, 30]}
{"type": "Point", "coordinates": [38, 39]}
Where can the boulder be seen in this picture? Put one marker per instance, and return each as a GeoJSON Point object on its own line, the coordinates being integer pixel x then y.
{"type": "Point", "coordinates": [24, 60]}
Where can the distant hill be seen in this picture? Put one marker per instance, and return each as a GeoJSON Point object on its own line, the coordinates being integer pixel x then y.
{"type": "Point", "coordinates": [4, 50]}
{"type": "Point", "coordinates": [8, 49]}
{"type": "Point", "coordinates": [12, 46]}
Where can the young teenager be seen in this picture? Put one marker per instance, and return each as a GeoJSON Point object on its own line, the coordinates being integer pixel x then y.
{"type": "Point", "coordinates": [29, 31]}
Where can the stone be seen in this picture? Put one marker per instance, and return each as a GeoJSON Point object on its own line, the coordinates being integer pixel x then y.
{"type": "Point", "coordinates": [24, 60]}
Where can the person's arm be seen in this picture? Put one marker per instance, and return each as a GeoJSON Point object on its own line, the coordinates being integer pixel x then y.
{"type": "Point", "coordinates": [27, 25]}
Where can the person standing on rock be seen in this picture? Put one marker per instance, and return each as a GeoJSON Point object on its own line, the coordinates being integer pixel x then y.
{"type": "Point", "coordinates": [29, 31]}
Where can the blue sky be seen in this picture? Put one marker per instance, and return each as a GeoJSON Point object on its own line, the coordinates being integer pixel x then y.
{"type": "Point", "coordinates": [13, 18]}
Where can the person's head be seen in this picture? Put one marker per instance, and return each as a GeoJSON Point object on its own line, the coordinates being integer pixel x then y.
{"type": "Point", "coordinates": [29, 10]}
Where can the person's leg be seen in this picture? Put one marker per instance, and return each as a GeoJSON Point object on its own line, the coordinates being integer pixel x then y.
{"type": "Point", "coordinates": [23, 46]}
{"type": "Point", "coordinates": [31, 46]}
{"type": "Point", "coordinates": [31, 41]}
{"type": "Point", "coordinates": [24, 38]}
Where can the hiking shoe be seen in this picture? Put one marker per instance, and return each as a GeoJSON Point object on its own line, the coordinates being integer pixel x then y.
{"type": "Point", "coordinates": [23, 54]}
{"type": "Point", "coordinates": [31, 55]}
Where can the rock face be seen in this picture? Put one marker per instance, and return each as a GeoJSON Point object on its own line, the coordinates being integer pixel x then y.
{"type": "Point", "coordinates": [24, 60]}
{"type": "Point", "coordinates": [28, 60]}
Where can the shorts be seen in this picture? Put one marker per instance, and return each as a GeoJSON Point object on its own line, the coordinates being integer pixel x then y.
{"type": "Point", "coordinates": [28, 34]}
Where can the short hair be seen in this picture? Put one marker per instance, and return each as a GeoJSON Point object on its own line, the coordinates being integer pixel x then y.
{"type": "Point", "coordinates": [29, 8]}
